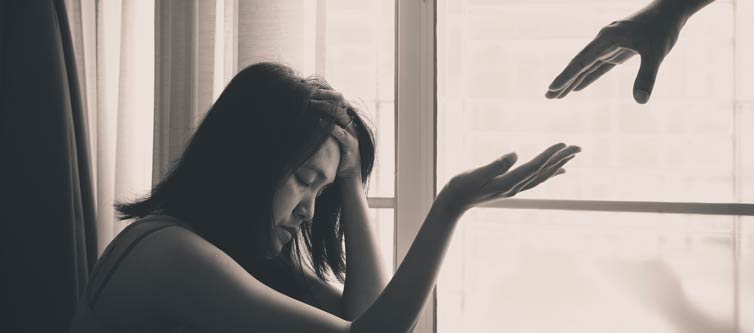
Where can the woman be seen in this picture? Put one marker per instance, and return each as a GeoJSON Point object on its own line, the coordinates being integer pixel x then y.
{"type": "Point", "coordinates": [278, 161]}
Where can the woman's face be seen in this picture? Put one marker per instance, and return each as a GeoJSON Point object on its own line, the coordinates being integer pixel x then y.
{"type": "Point", "coordinates": [293, 202]}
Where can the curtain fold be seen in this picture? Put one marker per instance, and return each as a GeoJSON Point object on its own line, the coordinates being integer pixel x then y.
{"type": "Point", "coordinates": [201, 45]}
{"type": "Point", "coordinates": [124, 114]}
{"type": "Point", "coordinates": [48, 224]}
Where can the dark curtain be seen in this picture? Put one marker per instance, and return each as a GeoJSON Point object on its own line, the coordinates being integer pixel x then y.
{"type": "Point", "coordinates": [47, 214]}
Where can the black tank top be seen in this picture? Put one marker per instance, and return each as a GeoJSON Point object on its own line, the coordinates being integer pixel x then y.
{"type": "Point", "coordinates": [270, 272]}
{"type": "Point", "coordinates": [84, 320]}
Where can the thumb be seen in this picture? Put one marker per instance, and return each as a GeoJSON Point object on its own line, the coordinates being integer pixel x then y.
{"type": "Point", "coordinates": [645, 79]}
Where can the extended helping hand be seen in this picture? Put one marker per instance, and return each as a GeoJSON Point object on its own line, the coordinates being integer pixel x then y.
{"type": "Point", "coordinates": [651, 33]}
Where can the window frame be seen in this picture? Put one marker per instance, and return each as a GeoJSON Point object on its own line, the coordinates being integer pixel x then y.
{"type": "Point", "coordinates": [415, 128]}
{"type": "Point", "coordinates": [416, 144]}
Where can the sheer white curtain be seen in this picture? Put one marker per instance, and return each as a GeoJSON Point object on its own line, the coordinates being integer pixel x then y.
{"type": "Point", "coordinates": [114, 47]}
{"type": "Point", "coordinates": [202, 44]}
{"type": "Point", "coordinates": [151, 69]}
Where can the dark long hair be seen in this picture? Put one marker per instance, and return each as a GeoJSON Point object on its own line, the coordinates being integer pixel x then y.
{"type": "Point", "coordinates": [258, 132]}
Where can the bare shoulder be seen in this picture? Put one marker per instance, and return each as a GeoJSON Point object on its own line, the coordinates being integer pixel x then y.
{"type": "Point", "coordinates": [194, 281]}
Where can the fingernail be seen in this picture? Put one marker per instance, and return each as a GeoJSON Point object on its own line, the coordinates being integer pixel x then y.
{"type": "Point", "coordinates": [641, 96]}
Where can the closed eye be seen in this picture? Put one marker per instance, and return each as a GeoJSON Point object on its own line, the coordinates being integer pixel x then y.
{"type": "Point", "coordinates": [302, 181]}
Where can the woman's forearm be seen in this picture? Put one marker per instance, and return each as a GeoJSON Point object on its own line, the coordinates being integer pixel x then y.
{"type": "Point", "coordinates": [400, 304]}
{"type": "Point", "coordinates": [365, 278]}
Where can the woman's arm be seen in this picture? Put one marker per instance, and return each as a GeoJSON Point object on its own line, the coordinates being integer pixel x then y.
{"type": "Point", "coordinates": [399, 306]}
{"type": "Point", "coordinates": [193, 281]}
{"type": "Point", "coordinates": [365, 278]}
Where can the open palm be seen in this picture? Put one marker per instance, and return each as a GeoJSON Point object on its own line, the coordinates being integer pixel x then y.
{"type": "Point", "coordinates": [495, 181]}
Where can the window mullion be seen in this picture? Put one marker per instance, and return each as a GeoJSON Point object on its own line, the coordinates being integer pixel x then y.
{"type": "Point", "coordinates": [415, 129]}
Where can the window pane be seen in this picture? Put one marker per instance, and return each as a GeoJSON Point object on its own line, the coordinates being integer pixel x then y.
{"type": "Point", "coordinates": [383, 221]}
{"type": "Point", "coordinates": [360, 63]}
{"type": "Point", "coordinates": [689, 143]}
{"type": "Point", "coordinates": [564, 271]}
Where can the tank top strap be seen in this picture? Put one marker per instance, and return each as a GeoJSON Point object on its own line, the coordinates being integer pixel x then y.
{"type": "Point", "coordinates": [119, 248]}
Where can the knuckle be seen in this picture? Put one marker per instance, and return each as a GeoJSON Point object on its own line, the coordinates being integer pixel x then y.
{"type": "Point", "coordinates": [455, 181]}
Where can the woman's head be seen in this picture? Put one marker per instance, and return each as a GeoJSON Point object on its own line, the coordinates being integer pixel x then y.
{"type": "Point", "coordinates": [237, 182]}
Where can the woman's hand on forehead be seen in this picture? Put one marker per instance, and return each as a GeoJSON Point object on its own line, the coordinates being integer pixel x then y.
{"type": "Point", "coordinates": [331, 102]}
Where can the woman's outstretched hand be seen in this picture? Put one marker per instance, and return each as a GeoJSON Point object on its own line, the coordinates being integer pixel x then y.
{"type": "Point", "coordinates": [651, 33]}
{"type": "Point", "coordinates": [494, 181]}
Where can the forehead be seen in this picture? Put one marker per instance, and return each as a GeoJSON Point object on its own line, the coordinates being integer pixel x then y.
{"type": "Point", "coordinates": [326, 159]}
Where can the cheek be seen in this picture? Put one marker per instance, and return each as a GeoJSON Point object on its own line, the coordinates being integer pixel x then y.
{"type": "Point", "coordinates": [284, 202]}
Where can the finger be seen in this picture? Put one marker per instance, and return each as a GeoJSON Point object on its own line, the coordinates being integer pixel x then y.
{"type": "Point", "coordinates": [524, 171]}
{"type": "Point", "coordinates": [608, 56]}
{"type": "Point", "coordinates": [342, 136]}
{"type": "Point", "coordinates": [583, 60]}
{"type": "Point", "coordinates": [552, 94]}
{"type": "Point", "coordinates": [534, 184]}
{"type": "Point", "coordinates": [645, 79]}
{"type": "Point", "coordinates": [550, 167]}
{"type": "Point", "coordinates": [573, 83]}
{"type": "Point", "coordinates": [498, 166]}
{"type": "Point", "coordinates": [322, 94]}
{"type": "Point", "coordinates": [560, 155]}
{"type": "Point", "coordinates": [623, 54]}
{"type": "Point", "coordinates": [577, 81]}
{"type": "Point", "coordinates": [540, 160]}
{"type": "Point", "coordinates": [619, 57]}
{"type": "Point", "coordinates": [337, 111]}
{"type": "Point", "coordinates": [544, 175]}
{"type": "Point", "coordinates": [594, 75]}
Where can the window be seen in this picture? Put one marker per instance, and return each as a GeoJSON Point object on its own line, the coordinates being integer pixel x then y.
{"type": "Point", "coordinates": [358, 60]}
{"type": "Point", "coordinates": [660, 198]}
{"type": "Point", "coordinates": [604, 260]}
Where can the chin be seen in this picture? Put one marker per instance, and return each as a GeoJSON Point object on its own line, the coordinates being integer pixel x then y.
{"type": "Point", "coordinates": [278, 247]}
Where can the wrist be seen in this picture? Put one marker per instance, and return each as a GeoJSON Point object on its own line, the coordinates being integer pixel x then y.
{"type": "Point", "coordinates": [676, 10]}
{"type": "Point", "coordinates": [446, 204]}
{"type": "Point", "coordinates": [350, 181]}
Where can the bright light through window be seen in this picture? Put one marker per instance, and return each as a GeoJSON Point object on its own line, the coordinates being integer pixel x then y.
{"type": "Point", "coordinates": [359, 62]}
{"type": "Point", "coordinates": [496, 59]}
{"type": "Point", "coordinates": [557, 271]}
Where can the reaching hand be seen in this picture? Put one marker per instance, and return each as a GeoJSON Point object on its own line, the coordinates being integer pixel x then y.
{"type": "Point", "coordinates": [493, 181]}
{"type": "Point", "coordinates": [651, 33]}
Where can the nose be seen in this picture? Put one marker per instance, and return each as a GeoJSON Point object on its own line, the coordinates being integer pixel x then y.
{"type": "Point", "coordinates": [305, 210]}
